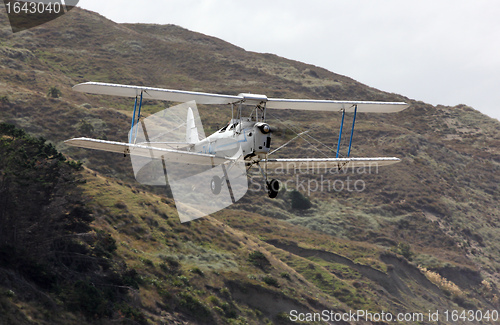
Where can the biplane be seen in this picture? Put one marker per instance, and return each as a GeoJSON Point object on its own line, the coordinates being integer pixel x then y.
{"type": "Point", "coordinates": [209, 173]}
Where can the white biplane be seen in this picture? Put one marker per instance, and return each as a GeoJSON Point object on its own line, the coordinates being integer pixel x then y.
{"type": "Point", "coordinates": [207, 174]}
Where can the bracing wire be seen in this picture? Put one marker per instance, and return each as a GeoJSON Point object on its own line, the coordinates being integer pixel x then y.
{"type": "Point", "coordinates": [299, 134]}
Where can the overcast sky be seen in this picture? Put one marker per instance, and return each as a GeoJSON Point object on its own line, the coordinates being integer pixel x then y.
{"type": "Point", "coordinates": [437, 51]}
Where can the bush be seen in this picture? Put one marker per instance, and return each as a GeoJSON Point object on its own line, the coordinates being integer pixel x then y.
{"type": "Point", "coordinates": [172, 261]}
{"type": "Point", "coordinates": [224, 292]}
{"type": "Point", "coordinates": [270, 281]}
{"type": "Point", "coordinates": [86, 298]}
{"type": "Point", "coordinates": [54, 92]}
{"type": "Point", "coordinates": [105, 245]}
{"type": "Point", "coordinates": [86, 128]}
{"type": "Point", "coordinates": [282, 318]}
{"type": "Point", "coordinates": [192, 306]}
{"type": "Point", "coordinates": [131, 278]}
{"type": "Point", "coordinates": [229, 310]}
{"type": "Point", "coordinates": [259, 260]}
{"type": "Point", "coordinates": [45, 231]}
{"type": "Point", "coordinates": [405, 250]}
{"type": "Point", "coordinates": [214, 300]}
{"type": "Point", "coordinates": [40, 201]}
{"type": "Point", "coordinates": [9, 293]}
{"type": "Point", "coordinates": [132, 314]}
{"type": "Point", "coordinates": [197, 270]}
{"type": "Point", "coordinates": [285, 275]}
{"type": "Point", "coordinates": [299, 201]}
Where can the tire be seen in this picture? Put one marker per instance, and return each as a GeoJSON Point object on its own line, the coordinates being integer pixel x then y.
{"type": "Point", "coordinates": [216, 185]}
{"type": "Point", "coordinates": [273, 188]}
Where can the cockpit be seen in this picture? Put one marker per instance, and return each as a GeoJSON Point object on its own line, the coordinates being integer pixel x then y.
{"type": "Point", "coordinates": [229, 126]}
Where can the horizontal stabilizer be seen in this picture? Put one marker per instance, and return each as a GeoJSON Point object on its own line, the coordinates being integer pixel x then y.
{"type": "Point", "coordinates": [328, 163]}
{"type": "Point", "coordinates": [146, 150]}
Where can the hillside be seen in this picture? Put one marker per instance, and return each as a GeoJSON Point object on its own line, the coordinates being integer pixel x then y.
{"type": "Point", "coordinates": [422, 235]}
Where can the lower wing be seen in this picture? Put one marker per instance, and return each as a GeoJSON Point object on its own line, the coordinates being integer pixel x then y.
{"type": "Point", "coordinates": [328, 163]}
{"type": "Point", "coordinates": [146, 150]}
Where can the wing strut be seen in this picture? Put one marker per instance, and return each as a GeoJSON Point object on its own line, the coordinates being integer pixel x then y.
{"type": "Point", "coordinates": [340, 133]}
{"type": "Point", "coordinates": [352, 130]}
{"type": "Point", "coordinates": [134, 122]}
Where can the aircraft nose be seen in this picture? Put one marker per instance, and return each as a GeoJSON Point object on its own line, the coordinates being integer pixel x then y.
{"type": "Point", "coordinates": [265, 128]}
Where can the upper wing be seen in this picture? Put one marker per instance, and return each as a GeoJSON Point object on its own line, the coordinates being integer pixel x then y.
{"type": "Point", "coordinates": [207, 98]}
{"type": "Point", "coordinates": [336, 105]}
{"type": "Point", "coordinates": [154, 93]}
{"type": "Point", "coordinates": [328, 163]}
{"type": "Point", "coordinates": [147, 151]}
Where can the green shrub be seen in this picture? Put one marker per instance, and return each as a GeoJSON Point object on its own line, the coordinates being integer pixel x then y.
{"type": "Point", "coordinates": [285, 275]}
{"type": "Point", "coordinates": [299, 201]}
{"type": "Point", "coordinates": [405, 250]}
{"type": "Point", "coordinates": [229, 310]}
{"type": "Point", "coordinates": [218, 310]}
{"type": "Point", "coordinates": [214, 300]}
{"type": "Point", "coordinates": [105, 245]}
{"type": "Point", "coordinates": [131, 278]}
{"type": "Point", "coordinates": [259, 260]}
{"type": "Point", "coordinates": [132, 314]}
{"type": "Point", "coordinates": [192, 306]}
{"type": "Point", "coordinates": [88, 299]}
{"type": "Point", "coordinates": [85, 128]}
{"type": "Point", "coordinates": [10, 294]}
{"type": "Point", "coordinates": [54, 92]}
{"type": "Point", "coordinates": [172, 261]}
{"type": "Point", "coordinates": [181, 281]}
{"type": "Point", "coordinates": [270, 281]}
{"type": "Point", "coordinates": [282, 318]}
{"type": "Point", "coordinates": [224, 292]}
{"type": "Point", "coordinates": [76, 165]}
{"type": "Point", "coordinates": [147, 262]}
{"type": "Point", "coordinates": [197, 270]}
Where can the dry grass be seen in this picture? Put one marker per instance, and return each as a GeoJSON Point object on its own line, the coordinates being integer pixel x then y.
{"type": "Point", "coordinates": [444, 284]}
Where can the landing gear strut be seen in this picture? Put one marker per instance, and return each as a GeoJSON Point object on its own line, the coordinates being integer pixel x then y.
{"type": "Point", "coordinates": [273, 186]}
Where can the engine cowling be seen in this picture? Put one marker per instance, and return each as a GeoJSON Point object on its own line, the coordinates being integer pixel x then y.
{"type": "Point", "coordinates": [262, 138]}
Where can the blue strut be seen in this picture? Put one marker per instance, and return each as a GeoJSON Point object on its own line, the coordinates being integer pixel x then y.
{"type": "Point", "coordinates": [134, 122]}
{"type": "Point", "coordinates": [138, 117]}
{"type": "Point", "coordinates": [352, 130]}
{"type": "Point", "coordinates": [340, 134]}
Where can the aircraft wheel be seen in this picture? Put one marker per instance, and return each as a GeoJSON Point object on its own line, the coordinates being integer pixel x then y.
{"type": "Point", "coordinates": [216, 185]}
{"type": "Point", "coordinates": [273, 188]}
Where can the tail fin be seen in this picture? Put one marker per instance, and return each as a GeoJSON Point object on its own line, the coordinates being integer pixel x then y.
{"type": "Point", "coordinates": [191, 130]}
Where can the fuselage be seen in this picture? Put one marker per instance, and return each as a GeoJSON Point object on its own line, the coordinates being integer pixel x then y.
{"type": "Point", "coordinates": [254, 139]}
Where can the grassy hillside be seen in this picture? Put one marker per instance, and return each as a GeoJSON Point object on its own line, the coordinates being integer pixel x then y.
{"type": "Point", "coordinates": [422, 235]}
